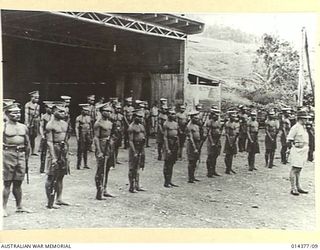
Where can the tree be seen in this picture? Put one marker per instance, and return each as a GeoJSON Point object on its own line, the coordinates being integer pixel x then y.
{"type": "Point", "coordinates": [276, 68]}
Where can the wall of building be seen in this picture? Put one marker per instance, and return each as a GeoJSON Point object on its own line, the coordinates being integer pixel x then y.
{"type": "Point", "coordinates": [206, 95]}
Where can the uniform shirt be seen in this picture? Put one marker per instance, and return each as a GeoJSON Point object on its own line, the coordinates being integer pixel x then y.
{"type": "Point", "coordinates": [299, 135]}
{"type": "Point", "coordinates": [93, 113]}
{"type": "Point", "coordinates": [31, 113]}
{"type": "Point", "coordinates": [299, 152]}
{"type": "Point", "coordinates": [154, 111]}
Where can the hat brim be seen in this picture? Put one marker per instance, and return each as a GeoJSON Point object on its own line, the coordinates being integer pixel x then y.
{"type": "Point", "coordinates": [304, 117]}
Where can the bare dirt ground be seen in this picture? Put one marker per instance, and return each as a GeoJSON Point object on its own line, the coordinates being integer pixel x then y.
{"type": "Point", "coordinates": [249, 200]}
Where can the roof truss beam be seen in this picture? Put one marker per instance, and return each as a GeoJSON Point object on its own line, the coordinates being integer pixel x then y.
{"type": "Point", "coordinates": [124, 23]}
{"type": "Point", "coordinates": [171, 21]}
{"type": "Point", "coordinates": [35, 35]}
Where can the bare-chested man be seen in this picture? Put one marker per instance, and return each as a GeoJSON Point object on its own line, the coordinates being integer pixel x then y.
{"type": "Point", "coordinates": [272, 130]}
{"type": "Point", "coordinates": [253, 142]}
{"type": "Point", "coordinates": [32, 118]}
{"type": "Point", "coordinates": [214, 142]}
{"type": "Point", "coordinates": [161, 119]}
{"type": "Point", "coordinates": [45, 118]}
{"type": "Point", "coordinates": [58, 164]}
{"type": "Point", "coordinates": [15, 153]}
{"type": "Point", "coordinates": [128, 110]}
{"type": "Point", "coordinates": [171, 147]}
{"type": "Point", "coordinates": [193, 145]}
{"type": "Point", "coordinates": [182, 122]}
{"type": "Point", "coordinates": [137, 137]}
{"type": "Point", "coordinates": [285, 126]}
{"type": "Point", "coordinates": [230, 148]}
{"type": "Point", "coordinates": [119, 128]}
{"type": "Point", "coordinates": [93, 114]}
{"type": "Point", "coordinates": [103, 139]}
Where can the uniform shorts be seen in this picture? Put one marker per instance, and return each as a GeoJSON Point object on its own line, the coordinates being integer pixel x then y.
{"type": "Point", "coordinates": [14, 167]}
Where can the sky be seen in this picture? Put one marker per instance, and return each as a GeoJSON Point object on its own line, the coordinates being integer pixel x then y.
{"type": "Point", "coordinates": [285, 25]}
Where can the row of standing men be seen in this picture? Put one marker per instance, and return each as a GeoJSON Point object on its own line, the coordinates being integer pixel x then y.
{"type": "Point", "coordinates": [105, 125]}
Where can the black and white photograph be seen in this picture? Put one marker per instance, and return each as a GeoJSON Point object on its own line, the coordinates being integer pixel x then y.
{"type": "Point", "coordinates": [158, 120]}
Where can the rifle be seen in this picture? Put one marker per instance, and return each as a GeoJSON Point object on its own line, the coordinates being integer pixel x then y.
{"type": "Point", "coordinates": [63, 144]}
{"type": "Point", "coordinates": [107, 145]}
{"type": "Point", "coordinates": [139, 155]}
{"type": "Point", "coordinates": [204, 118]}
{"type": "Point", "coordinates": [287, 154]}
{"type": "Point", "coordinates": [27, 170]}
{"type": "Point", "coordinates": [57, 166]}
{"type": "Point", "coordinates": [125, 119]}
{"type": "Point", "coordinates": [138, 159]}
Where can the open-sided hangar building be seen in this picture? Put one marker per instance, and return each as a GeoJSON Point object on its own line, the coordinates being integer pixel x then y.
{"type": "Point", "coordinates": [81, 53]}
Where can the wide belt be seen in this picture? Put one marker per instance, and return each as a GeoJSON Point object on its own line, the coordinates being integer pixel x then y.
{"type": "Point", "coordinates": [18, 148]}
{"type": "Point", "coordinates": [138, 142]}
{"type": "Point", "coordinates": [173, 139]}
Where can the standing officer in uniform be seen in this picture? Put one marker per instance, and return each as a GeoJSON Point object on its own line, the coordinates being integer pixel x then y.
{"type": "Point", "coordinates": [119, 128]}
{"type": "Point", "coordinates": [128, 110]}
{"type": "Point", "coordinates": [58, 163]}
{"type": "Point", "coordinates": [67, 100]}
{"type": "Point", "coordinates": [284, 128]}
{"type": "Point", "coordinates": [15, 153]}
{"type": "Point", "coordinates": [271, 139]}
{"type": "Point", "coordinates": [253, 143]}
{"type": "Point", "coordinates": [45, 118]}
{"type": "Point", "coordinates": [182, 122]}
{"type": "Point", "coordinates": [161, 119]}
{"type": "Point", "coordinates": [154, 118]}
{"type": "Point", "coordinates": [84, 135]}
{"type": "Point", "coordinates": [214, 142]}
{"type": "Point", "coordinates": [171, 147]}
{"type": "Point", "coordinates": [136, 151]}
{"type": "Point", "coordinates": [230, 147]}
{"type": "Point", "coordinates": [193, 144]}
{"type": "Point", "coordinates": [103, 139]}
{"type": "Point", "coordinates": [298, 142]}
{"type": "Point", "coordinates": [32, 118]}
